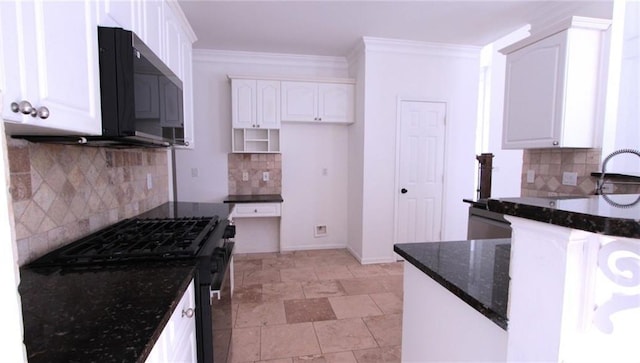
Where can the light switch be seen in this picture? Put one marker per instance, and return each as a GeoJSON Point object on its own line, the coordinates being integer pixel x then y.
{"type": "Point", "coordinates": [245, 176]}
{"type": "Point", "coordinates": [149, 181]}
{"type": "Point", "coordinates": [569, 178]}
{"type": "Point", "coordinates": [531, 176]}
{"type": "Point", "coordinates": [265, 176]}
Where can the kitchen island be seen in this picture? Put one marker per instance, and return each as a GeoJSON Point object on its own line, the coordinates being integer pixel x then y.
{"type": "Point", "coordinates": [455, 295]}
{"type": "Point", "coordinates": [574, 285]}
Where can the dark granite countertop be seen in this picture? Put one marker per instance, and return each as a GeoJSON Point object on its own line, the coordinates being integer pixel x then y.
{"type": "Point", "coordinates": [254, 198]}
{"type": "Point", "coordinates": [477, 271]}
{"type": "Point", "coordinates": [597, 214]}
{"type": "Point", "coordinates": [109, 315]}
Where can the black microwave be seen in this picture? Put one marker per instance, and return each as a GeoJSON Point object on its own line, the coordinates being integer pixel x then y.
{"type": "Point", "coordinates": [141, 98]}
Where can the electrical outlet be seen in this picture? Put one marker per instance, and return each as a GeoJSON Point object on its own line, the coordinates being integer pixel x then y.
{"type": "Point", "coordinates": [265, 176]}
{"type": "Point", "coordinates": [607, 188]}
{"type": "Point", "coordinates": [531, 176]}
{"type": "Point", "coordinates": [245, 176]}
{"type": "Point", "coordinates": [194, 172]}
{"type": "Point", "coordinates": [149, 181]}
{"type": "Point", "coordinates": [570, 178]}
{"type": "Point", "coordinates": [325, 172]}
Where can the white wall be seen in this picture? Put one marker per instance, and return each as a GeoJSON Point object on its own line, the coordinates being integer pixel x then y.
{"type": "Point", "coordinates": [309, 197]}
{"type": "Point", "coordinates": [420, 71]}
{"type": "Point", "coordinates": [507, 164]}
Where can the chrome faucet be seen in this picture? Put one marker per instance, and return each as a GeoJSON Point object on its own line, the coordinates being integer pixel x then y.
{"type": "Point", "coordinates": [600, 184]}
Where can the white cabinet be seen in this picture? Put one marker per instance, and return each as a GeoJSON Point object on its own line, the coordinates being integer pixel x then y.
{"type": "Point", "coordinates": [255, 103]}
{"type": "Point", "coordinates": [177, 342]}
{"type": "Point", "coordinates": [552, 96]}
{"type": "Point", "coordinates": [255, 115]}
{"type": "Point", "coordinates": [314, 102]}
{"type": "Point", "coordinates": [50, 53]}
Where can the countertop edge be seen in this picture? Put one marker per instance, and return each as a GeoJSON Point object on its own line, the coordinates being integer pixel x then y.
{"type": "Point", "coordinates": [610, 226]}
{"type": "Point", "coordinates": [255, 198]}
{"type": "Point", "coordinates": [165, 319]}
{"type": "Point", "coordinates": [471, 301]}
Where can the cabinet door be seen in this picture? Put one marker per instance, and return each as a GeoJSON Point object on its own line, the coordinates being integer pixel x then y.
{"type": "Point", "coordinates": [299, 101]}
{"type": "Point", "coordinates": [335, 102]}
{"type": "Point", "coordinates": [172, 56]}
{"type": "Point", "coordinates": [187, 92]}
{"type": "Point", "coordinates": [534, 94]}
{"type": "Point", "coordinates": [55, 63]}
{"type": "Point", "coordinates": [177, 342]}
{"type": "Point", "coordinates": [268, 104]}
{"type": "Point", "coordinates": [243, 104]}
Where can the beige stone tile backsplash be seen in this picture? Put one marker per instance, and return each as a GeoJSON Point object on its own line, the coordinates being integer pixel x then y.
{"type": "Point", "coordinates": [61, 192]}
{"type": "Point", "coordinates": [549, 164]}
{"type": "Point", "coordinates": [255, 165]}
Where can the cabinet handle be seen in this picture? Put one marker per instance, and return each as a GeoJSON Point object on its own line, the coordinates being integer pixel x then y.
{"type": "Point", "coordinates": [22, 107]}
{"type": "Point", "coordinates": [43, 112]}
{"type": "Point", "coordinates": [25, 107]}
{"type": "Point", "coordinates": [255, 211]}
{"type": "Point", "coordinates": [556, 143]}
{"type": "Point", "coordinates": [188, 313]}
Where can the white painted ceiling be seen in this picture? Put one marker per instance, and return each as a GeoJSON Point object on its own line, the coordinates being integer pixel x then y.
{"type": "Point", "coordinates": [333, 28]}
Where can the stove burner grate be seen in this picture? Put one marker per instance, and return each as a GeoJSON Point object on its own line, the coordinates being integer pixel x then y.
{"type": "Point", "coordinates": [136, 240]}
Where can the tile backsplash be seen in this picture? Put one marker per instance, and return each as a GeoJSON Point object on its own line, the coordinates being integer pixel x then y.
{"type": "Point", "coordinates": [253, 166]}
{"type": "Point", "coordinates": [549, 165]}
{"type": "Point", "coordinates": [62, 192]}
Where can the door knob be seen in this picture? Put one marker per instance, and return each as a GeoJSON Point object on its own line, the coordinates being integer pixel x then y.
{"type": "Point", "coordinates": [403, 191]}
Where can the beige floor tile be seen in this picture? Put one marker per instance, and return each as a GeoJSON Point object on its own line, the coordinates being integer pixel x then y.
{"type": "Point", "coordinates": [340, 357]}
{"type": "Point", "coordinates": [279, 263]}
{"type": "Point", "coordinates": [338, 260]}
{"type": "Point", "coordinates": [257, 256]}
{"type": "Point", "coordinates": [386, 329]}
{"type": "Point", "coordinates": [261, 277]}
{"type": "Point", "coordinates": [355, 306]}
{"type": "Point", "coordinates": [393, 284]}
{"type": "Point", "coordinates": [247, 265]}
{"type": "Point", "coordinates": [342, 335]}
{"type": "Point", "coordinates": [366, 270]}
{"type": "Point", "coordinates": [290, 340]}
{"type": "Point", "coordinates": [245, 345]}
{"type": "Point", "coordinates": [362, 286]}
{"type": "Point", "coordinates": [250, 294]}
{"type": "Point", "coordinates": [282, 291]}
{"type": "Point", "coordinates": [260, 314]}
{"type": "Point", "coordinates": [307, 310]}
{"type": "Point", "coordinates": [379, 355]}
{"type": "Point", "coordinates": [394, 268]}
{"type": "Point", "coordinates": [298, 274]}
{"type": "Point", "coordinates": [388, 302]}
{"type": "Point", "coordinates": [313, 289]}
{"type": "Point", "coordinates": [280, 360]}
{"type": "Point", "coordinates": [333, 272]}
{"type": "Point", "coordinates": [327, 252]}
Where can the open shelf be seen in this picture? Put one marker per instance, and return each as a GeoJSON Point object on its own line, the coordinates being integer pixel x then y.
{"type": "Point", "coordinates": [256, 140]}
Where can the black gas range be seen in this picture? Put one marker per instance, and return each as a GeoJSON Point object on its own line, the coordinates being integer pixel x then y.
{"type": "Point", "coordinates": [191, 232]}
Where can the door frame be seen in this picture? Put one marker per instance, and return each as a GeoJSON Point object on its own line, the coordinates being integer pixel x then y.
{"type": "Point", "coordinates": [396, 183]}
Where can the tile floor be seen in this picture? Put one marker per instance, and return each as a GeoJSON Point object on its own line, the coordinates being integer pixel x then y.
{"type": "Point", "coordinates": [316, 306]}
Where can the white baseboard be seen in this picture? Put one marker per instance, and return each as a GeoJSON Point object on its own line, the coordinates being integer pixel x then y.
{"type": "Point", "coordinates": [312, 247]}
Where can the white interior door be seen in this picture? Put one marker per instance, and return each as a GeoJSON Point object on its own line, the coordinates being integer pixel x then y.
{"type": "Point", "coordinates": [420, 171]}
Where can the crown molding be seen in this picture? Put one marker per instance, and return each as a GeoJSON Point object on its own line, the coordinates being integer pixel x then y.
{"type": "Point", "coordinates": [279, 59]}
{"type": "Point", "coordinates": [177, 10]}
{"type": "Point", "coordinates": [383, 45]}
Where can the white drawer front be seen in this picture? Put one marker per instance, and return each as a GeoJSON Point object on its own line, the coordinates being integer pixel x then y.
{"type": "Point", "coordinates": [256, 210]}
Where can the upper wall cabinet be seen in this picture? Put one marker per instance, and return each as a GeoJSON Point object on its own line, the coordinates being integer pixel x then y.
{"type": "Point", "coordinates": [255, 104]}
{"type": "Point", "coordinates": [553, 87]}
{"type": "Point", "coordinates": [317, 102]}
{"type": "Point", "coordinates": [50, 55]}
